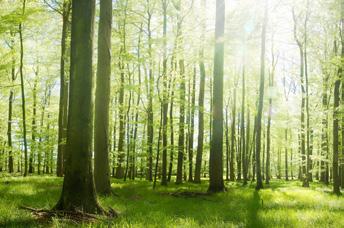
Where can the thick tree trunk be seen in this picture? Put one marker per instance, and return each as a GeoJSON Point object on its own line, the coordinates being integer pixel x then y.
{"type": "Point", "coordinates": [102, 100]}
{"type": "Point", "coordinates": [216, 150]}
{"type": "Point", "coordinates": [78, 192]}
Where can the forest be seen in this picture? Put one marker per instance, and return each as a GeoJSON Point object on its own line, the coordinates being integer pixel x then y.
{"type": "Point", "coordinates": [171, 113]}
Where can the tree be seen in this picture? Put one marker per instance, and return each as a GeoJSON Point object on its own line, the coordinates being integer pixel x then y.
{"type": "Point", "coordinates": [101, 127]}
{"type": "Point", "coordinates": [78, 163]}
{"type": "Point", "coordinates": [179, 43]}
{"type": "Point", "coordinates": [10, 110]}
{"type": "Point", "coordinates": [336, 112]}
{"type": "Point", "coordinates": [64, 90]}
{"type": "Point", "coordinates": [21, 65]}
{"type": "Point", "coordinates": [198, 165]}
{"type": "Point", "coordinates": [216, 150]}
{"type": "Point", "coordinates": [261, 99]}
{"type": "Point", "coordinates": [165, 100]}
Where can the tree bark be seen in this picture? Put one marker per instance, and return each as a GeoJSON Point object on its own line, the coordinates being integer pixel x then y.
{"type": "Point", "coordinates": [21, 65]}
{"type": "Point", "coordinates": [165, 100]}
{"type": "Point", "coordinates": [78, 191]}
{"type": "Point", "coordinates": [199, 155]}
{"type": "Point", "coordinates": [261, 99]}
{"type": "Point", "coordinates": [102, 100]}
{"type": "Point", "coordinates": [232, 153]}
{"type": "Point", "coordinates": [192, 124]}
{"type": "Point", "coordinates": [216, 150]}
{"type": "Point", "coordinates": [64, 90]}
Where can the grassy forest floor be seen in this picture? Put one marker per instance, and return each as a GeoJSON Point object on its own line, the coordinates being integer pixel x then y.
{"type": "Point", "coordinates": [282, 204]}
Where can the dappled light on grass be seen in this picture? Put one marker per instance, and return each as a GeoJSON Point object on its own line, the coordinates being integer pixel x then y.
{"type": "Point", "coordinates": [140, 206]}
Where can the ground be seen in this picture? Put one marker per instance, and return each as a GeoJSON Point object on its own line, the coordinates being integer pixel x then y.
{"type": "Point", "coordinates": [282, 204]}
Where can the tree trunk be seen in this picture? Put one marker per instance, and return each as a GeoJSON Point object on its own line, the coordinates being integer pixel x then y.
{"type": "Point", "coordinates": [181, 140]}
{"type": "Point", "coordinates": [33, 146]}
{"type": "Point", "coordinates": [10, 112]}
{"type": "Point", "coordinates": [64, 90]}
{"type": "Point", "coordinates": [261, 99]}
{"type": "Point", "coordinates": [227, 143]}
{"type": "Point", "coordinates": [192, 124]}
{"type": "Point", "coordinates": [308, 159]}
{"type": "Point", "coordinates": [165, 100]}
{"type": "Point", "coordinates": [232, 153]}
{"type": "Point", "coordinates": [336, 113]}
{"type": "Point", "coordinates": [21, 65]}
{"type": "Point", "coordinates": [242, 129]}
{"type": "Point", "coordinates": [199, 155]}
{"type": "Point", "coordinates": [78, 192]}
{"type": "Point", "coordinates": [102, 100]}
{"type": "Point", "coordinates": [216, 150]}
{"type": "Point", "coordinates": [150, 117]}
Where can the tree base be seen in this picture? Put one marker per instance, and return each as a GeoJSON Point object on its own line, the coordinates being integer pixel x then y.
{"type": "Point", "coordinates": [71, 215]}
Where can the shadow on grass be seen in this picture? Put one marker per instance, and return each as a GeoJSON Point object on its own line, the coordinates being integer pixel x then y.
{"type": "Point", "coordinates": [254, 206]}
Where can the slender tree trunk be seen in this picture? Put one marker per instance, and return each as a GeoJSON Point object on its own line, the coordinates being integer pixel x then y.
{"type": "Point", "coordinates": [242, 128]}
{"type": "Point", "coordinates": [303, 105]}
{"type": "Point", "coordinates": [33, 146]}
{"type": "Point", "coordinates": [308, 158]}
{"type": "Point", "coordinates": [248, 143]}
{"type": "Point", "coordinates": [336, 112]}
{"type": "Point", "coordinates": [78, 165]}
{"type": "Point", "coordinates": [21, 65]}
{"type": "Point", "coordinates": [268, 138]}
{"type": "Point", "coordinates": [158, 148]}
{"type": "Point", "coordinates": [10, 111]}
{"type": "Point", "coordinates": [102, 100]}
{"type": "Point", "coordinates": [232, 156]}
{"type": "Point", "coordinates": [150, 118]}
{"type": "Point", "coordinates": [192, 124]}
{"type": "Point", "coordinates": [286, 153]}
{"type": "Point", "coordinates": [200, 138]}
{"type": "Point", "coordinates": [181, 124]}
{"type": "Point", "coordinates": [342, 93]}
{"type": "Point", "coordinates": [165, 100]}
{"type": "Point", "coordinates": [170, 167]}
{"type": "Point", "coordinates": [216, 150]}
{"type": "Point", "coordinates": [336, 181]}
{"type": "Point", "coordinates": [261, 99]}
{"type": "Point", "coordinates": [227, 143]}
{"type": "Point", "coordinates": [64, 90]}
{"type": "Point", "coordinates": [181, 135]}
{"type": "Point", "coordinates": [120, 150]}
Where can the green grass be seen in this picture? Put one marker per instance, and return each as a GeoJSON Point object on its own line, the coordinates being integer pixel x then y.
{"type": "Point", "coordinates": [282, 204]}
